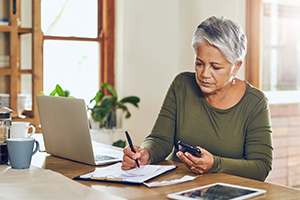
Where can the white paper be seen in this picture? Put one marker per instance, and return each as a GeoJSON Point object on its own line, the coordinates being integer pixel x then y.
{"type": "Point", "coordinates": [136, 175]}
{"type": "Point", "coordinates": [143, 169]}
{"type": "Point", "coordinates": [172, 182]}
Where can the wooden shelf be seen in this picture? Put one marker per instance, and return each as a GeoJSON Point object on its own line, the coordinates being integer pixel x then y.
{"type": "Point", "coordinates": [24, 30]}
{"type": "Point", "coordinates": [5, 71]}
{"type": "Point", "coordinates": [12, 48]}
{"type": "Point", "coordinates": [5, 28]}
{"type": "Point", "coordinates": [25, 71]}
{"type": "Point", "coordinates": [20, 29]}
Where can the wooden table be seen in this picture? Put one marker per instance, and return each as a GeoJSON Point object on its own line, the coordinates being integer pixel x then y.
{"type": "Point", "coordinates": [72, 169]}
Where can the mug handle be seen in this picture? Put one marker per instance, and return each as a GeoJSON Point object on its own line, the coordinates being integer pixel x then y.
{"type": "Point", "coordinates": [37, 146]}
{"type": "Point", "coordinates": [33, 130]}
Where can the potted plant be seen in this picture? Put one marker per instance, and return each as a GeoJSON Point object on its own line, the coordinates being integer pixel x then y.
{"type": "Point", "coordinates": [105, 107]}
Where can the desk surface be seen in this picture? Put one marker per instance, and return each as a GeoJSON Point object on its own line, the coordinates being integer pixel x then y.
{"type": "Point", "coordinates": [72, 169]}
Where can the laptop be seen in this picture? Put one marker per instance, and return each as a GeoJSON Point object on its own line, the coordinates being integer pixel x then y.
{"type": "Point", "coordinates": [66, 132]}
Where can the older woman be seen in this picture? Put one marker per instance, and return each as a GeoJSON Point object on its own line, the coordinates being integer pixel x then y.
{"type": "Point", "coordinates": [227, 118]}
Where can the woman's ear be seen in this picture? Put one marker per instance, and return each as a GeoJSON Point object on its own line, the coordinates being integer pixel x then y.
{"type": "Point", "coordinates": [237, 67]}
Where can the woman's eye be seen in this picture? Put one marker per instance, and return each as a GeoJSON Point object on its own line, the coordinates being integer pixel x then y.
{"type": "Point", "coordinates": [216, 68]}
{"type": "Point", "coordinates": [199, 64]}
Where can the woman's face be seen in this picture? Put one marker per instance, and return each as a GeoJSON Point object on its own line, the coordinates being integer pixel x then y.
{"type": "Point", "coordinates": [213, 71]}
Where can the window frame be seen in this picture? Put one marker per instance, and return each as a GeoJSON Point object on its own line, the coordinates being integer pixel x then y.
{"type": "Point", "coordinates": [253, 63]}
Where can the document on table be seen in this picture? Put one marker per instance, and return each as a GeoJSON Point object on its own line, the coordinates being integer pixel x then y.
{"type": "Point", "coordinates": [114, 173]}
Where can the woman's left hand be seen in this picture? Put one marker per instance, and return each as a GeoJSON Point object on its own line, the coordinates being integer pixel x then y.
{"type": "Point", "coordinates": [195, 164]}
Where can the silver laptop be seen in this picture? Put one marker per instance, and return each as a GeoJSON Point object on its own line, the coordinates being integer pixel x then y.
{"type": "Point", "coordinates": [66, 132]}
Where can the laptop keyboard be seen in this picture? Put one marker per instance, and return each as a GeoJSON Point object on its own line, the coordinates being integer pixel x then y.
{"type": "Point", "coordinates": [104, 157]}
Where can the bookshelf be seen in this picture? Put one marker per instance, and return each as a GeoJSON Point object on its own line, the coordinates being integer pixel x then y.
{"type": "Point", "coordinates": [20, 57]}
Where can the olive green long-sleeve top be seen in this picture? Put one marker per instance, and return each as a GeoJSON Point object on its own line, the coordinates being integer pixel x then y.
{"type": "Point", "coordinates": [240, 138]}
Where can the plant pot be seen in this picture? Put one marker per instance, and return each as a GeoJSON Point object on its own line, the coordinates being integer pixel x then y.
{"type": "Point", "coordinates": [93, 124]}
{"type": "Point", "coordinates": [110, 121]}
{"type": "Point", "coordinates": [107, 136]}
{"type": "Point", "coordinates": [103, 136]}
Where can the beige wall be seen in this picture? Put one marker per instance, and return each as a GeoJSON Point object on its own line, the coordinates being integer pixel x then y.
{"type": "Point", "coordinates": [153, 44]}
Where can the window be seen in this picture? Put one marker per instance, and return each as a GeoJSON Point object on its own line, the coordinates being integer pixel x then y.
{"type": "Point", "coordinates": [281, 51]}
{"type": "Point", "coordinates": [273, 57]}
{"type": "Point", "coordinates": [77, 45]}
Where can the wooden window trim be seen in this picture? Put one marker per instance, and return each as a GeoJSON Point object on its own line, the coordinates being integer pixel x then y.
{"type": "Point", "coordinates": [37, 61]}
{"type": "Point", "coordinates": [108, 42]}
{"type": "Point", "coordinates": [253, 61]}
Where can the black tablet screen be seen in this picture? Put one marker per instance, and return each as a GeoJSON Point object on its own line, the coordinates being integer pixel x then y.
{"type": "Point", "coordinates": [217, 192]}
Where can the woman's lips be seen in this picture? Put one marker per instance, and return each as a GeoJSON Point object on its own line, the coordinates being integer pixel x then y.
{"type": "Point", "coordinates": [206, 84]}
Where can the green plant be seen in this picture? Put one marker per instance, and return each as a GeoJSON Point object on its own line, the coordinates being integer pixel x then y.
{"type": "Point", "coordinates": [60, 92]}
{"type": "Point", "coordinates": [120, 143]}
{"type": "Point", "coordinates": [104, 110]}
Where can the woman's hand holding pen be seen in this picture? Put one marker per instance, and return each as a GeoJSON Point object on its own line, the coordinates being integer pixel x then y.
{"type": "Point", "coordinates": [197, 165]}
{"type": "Point", "coordinates": [129, 157]}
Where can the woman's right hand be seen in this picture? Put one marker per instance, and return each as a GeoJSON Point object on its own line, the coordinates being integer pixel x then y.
{"type": "Point", "coordinates": [129, 157]}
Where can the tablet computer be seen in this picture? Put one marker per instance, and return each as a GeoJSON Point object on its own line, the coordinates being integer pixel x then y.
{"type": "Point", "coordinates": [220, 191]}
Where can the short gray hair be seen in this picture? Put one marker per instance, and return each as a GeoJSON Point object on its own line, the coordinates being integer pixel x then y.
{"type": "Point", "coordinates": [223, 33]}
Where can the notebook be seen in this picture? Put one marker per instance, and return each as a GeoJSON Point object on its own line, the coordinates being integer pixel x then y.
{"type": "Point", "coordinates": [66, 132]}
{"type": "Point", "coordinates": [114, 173]}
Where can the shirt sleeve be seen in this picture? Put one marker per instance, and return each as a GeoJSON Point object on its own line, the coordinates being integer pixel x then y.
{"type": "Point", "coordinates": [258, 150]}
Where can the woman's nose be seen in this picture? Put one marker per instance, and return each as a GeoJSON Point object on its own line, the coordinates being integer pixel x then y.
{"type": "Point", "coordinates": [205, 72]}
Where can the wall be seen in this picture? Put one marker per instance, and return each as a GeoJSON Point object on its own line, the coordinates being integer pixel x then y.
{"type": "Point", "coordinates": [153, 44]}
{"type": "Point", "coordinates": [286, 143]}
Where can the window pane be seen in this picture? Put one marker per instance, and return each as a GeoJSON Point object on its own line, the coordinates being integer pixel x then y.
{"type": "Point", "coordinates": [26, 18]}
{"type": "Point", "coordinates": [25, 98]}
{"type": "Point", "coordinates": [281, 47]}
{"type": "Point", "coordinates": [26, 51]}
{"type": "Point", "coordinates": [69, 18]}
{"type": "Point", "coordinates": [74, 65]}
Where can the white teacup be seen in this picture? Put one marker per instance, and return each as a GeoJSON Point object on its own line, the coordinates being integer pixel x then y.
{"type": "Point", "coordinates": [20, 130]}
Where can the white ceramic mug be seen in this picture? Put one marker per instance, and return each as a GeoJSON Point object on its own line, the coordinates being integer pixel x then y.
{"type": "Point", "coordinates": [20, 130]}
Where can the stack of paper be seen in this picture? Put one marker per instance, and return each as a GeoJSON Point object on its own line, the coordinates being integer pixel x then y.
{"type": "Point", "coordinates": [136, 175]}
